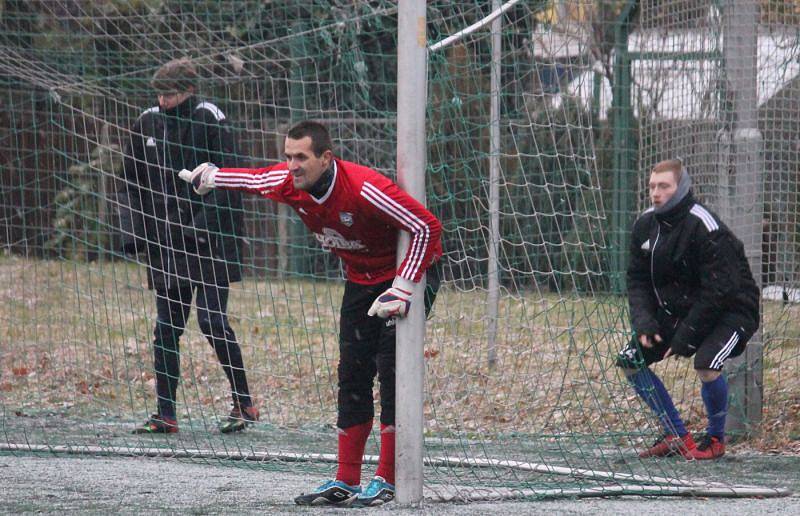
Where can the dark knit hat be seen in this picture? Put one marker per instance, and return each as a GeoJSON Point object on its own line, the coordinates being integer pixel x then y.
{"type": "Point", "coordinates": [178, 75]}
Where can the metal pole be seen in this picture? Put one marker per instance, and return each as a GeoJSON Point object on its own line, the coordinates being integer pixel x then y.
{"type": "Point", "coordinates": [284, 213]}
{"type": "Point", "coordinates": [410, 367]}
{"type": "Point", "coordinates": [741, 43]}
{"type": "Point", "coordinates": [623, 147]}
{"type": "Point", "coordinates": [493, 294]}
{"type": "Point", "coordinates": [106, 167]}
{"type": "Point", "coordinates": [298, 256]}
{"type": "Point", "coordinates": [724, 194]}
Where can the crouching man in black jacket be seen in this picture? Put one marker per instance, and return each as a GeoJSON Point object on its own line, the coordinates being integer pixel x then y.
{"type": "Point", "coordinates": [691, 293]}
{"type": "Point", "coordinates": [190, 243]}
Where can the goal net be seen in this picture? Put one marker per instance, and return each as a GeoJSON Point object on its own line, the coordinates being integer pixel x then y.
{"type": "Point", "coordinates": [536, 174]}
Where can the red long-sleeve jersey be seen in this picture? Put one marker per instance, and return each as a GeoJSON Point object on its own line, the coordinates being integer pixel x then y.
{"type": "Point", "coordinates": [357, 219]}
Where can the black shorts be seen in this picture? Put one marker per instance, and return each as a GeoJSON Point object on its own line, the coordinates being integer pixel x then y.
{"type": "Point", "coordinates": [724, 342]}
{"type": "Point", "coordinates": [367, 349]}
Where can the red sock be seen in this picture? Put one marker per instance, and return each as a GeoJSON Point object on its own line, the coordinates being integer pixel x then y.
{"type": "Point", "coordinates": [351, 452]}
{"type": "Point", "coordinates": [386, 461]}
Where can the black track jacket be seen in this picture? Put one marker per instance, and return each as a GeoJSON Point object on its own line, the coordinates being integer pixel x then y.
{"type": "Point", "coordinates": [688, 266]}
{"type": "Point", "coordinates": [187, 238]}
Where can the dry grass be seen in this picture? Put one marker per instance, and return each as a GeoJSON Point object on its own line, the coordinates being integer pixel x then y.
{"type": "Point", "coordinates": [78, 338]}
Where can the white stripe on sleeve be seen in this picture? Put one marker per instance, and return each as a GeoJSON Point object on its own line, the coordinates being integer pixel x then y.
{"type": "Point", "coordinates": [217, 112]}
{"type": "Point", "coordinates": [411, 222]}
{"type": "Point", "coordinates": [269, 179]}
{"type": "Point", "coordinates": [704, 215]}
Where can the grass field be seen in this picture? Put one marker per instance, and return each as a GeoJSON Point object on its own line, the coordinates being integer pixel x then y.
{"type": "Point", "coordinates": [76, 369]}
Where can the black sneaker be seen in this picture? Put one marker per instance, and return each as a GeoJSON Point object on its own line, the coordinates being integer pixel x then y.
{"type": "Point", "coordinates": [333, 492]}
{"type": "Point", "coordinates": [378, 492]}
{"type": "Point", "coordinates": [158, 424]}
{"type": "Point", "coordinates": [239, 418]}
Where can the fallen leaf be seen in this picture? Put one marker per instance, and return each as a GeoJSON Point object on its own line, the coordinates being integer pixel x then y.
{"type": "Point", "coordinates": [431, 353]}
{"type": "Point", "coordinates": [82, 387]}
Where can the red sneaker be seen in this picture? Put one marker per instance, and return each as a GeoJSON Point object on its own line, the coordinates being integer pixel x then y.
{"type": "Point", "coordinates": [239, 419]}
{"type": "Point", "coordinates": [158, 424]}
{"type": "Point", "coordinates": [670, 445]}
{"type": "Point", "coordinates": [710, 448]}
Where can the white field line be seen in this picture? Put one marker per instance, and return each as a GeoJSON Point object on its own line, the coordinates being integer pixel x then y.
{"type": "Point", "coordinates": [647, 485]}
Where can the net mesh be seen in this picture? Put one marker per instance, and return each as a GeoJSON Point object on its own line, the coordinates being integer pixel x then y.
{"type": "Point", "coordinates": [523, 398]}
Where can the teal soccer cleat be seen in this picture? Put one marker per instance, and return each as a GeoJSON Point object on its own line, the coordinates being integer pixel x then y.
{"type": "Point", "coordinates": [333, 492]}
{"type": "Point", "coordinates": [378, 492]}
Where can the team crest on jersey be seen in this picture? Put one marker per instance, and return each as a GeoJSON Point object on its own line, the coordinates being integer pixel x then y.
{"type": "Point", "coordinates": [346, 218]}
{"type": "Point", "coordinates": [151, 142]}
{"type": "Point", "coordinates": [646, 245]}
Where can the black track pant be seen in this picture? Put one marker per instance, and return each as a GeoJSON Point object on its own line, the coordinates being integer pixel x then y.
{"type": "Point", "coordinates": [173, 307]}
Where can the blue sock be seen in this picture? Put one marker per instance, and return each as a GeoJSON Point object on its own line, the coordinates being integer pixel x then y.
{"type": "Point", "coordinates": [649, 387]}
{"type": "Point", "coordinates": [715, 397]}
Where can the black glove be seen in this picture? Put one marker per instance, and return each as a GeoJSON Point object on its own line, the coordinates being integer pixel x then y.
{"type": "Point", "coordinates": [682, 347]}
{"type": "Point", "coordinates": [683, 341]}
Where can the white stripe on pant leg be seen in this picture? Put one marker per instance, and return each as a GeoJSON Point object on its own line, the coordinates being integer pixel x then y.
{"type": "Point", "coordinates": [730, 350]}
{"type": "Point", "coordinates": [725, 351]}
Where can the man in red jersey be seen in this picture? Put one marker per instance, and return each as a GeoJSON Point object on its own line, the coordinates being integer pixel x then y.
{"type": "Point", "coordinates": [356, 213]}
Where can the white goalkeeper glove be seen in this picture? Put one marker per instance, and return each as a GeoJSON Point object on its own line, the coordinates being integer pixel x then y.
{"type": "Point", "coordinates": [395, 301]}
{"type": "Point", "coordinates": [202, 177]}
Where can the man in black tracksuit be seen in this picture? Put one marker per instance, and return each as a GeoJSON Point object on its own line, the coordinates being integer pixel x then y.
{"type": "Point", "coordinates": [190, 243]}
{"type": "Point", "coordinates": [690, 292]}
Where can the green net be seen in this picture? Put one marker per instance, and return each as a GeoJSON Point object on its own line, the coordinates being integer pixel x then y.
{"type": "Point", "coordinates": [523, 398]}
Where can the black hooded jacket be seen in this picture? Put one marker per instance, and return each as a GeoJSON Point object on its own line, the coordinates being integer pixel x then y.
{"type": "Point", "coordinates": [687, 266]}
{"type": "Point", "coordinates": [186, 238]}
